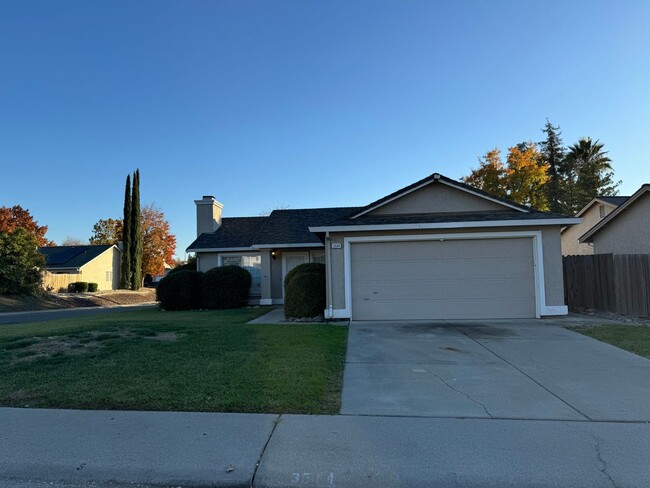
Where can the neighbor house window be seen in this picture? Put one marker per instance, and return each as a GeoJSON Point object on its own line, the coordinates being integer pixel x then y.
{"type": "Point", "coordinates": [109, 276]}
{"type": "Point", "coordinates": [601, 209]}
{"type": "Point", "coordinates": [251, 263]}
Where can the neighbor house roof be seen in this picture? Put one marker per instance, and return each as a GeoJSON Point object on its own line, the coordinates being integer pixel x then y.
{"type": "Point", "coordinates": [71, 257]}
{"type": "Point", "coordinates": [613, 200]}
{"type": "Point", "coordinates": [587, 237]}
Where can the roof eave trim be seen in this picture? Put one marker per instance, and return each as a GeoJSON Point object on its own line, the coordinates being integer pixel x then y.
{"type": "Point", "coordinates": [447, 225]}
{"type": "Point", "coordinates": [217, 249]}
{"type": "Point", "coordinates": [433, 179]}
{"type": "Point", "coordinates": [283, 246]}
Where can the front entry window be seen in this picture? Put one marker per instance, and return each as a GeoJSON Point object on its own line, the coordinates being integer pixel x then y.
{"type": "Point", "coordinates": [251, 263]}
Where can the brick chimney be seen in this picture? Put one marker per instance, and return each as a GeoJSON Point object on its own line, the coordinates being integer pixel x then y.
{"type": "Point", "coordinates": [208, 215]}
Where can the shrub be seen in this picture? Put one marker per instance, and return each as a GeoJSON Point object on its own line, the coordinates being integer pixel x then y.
{"type": "Point", "coordinates": [304, 295]}
{"type": "Point", "coordinates": [92, 287]}
{"type": "Point", "coordinates": [225, 287]}
{"type": "Point", "coordinates": [180, 291]}
{"type": "Point", "coordinates": [317, 268]}
{"type": "Point", "coordinates": [190, 265]}
{"type": "Point", "coordinates": [80, 286]}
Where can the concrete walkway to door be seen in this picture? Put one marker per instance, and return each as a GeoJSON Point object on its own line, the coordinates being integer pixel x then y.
{"type": "Point", "coordinates": [514, 369]}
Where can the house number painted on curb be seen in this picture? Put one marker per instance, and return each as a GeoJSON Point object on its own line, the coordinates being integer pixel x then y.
{"type": "Point", "coordinates": [312, 479]}
{"type": "Point", "coordinates": [336, 245]}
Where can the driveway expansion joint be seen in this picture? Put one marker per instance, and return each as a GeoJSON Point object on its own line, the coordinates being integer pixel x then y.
{"type": "Point", "coordinates": [276, 421]}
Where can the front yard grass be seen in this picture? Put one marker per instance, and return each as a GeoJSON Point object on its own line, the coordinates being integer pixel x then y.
{"type": "Point", "coordinates": [187, 361]}
{"type": "Point", "coordinates": [629, 337]}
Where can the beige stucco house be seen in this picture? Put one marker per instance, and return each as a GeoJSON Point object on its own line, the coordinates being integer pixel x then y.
{"type": "Point", "coordinates": [625, 230]}
{"type": "Point", "coordinates": [592, 213]}
{"type": "Point", "coordinates": [94, 264]}
{"type": "Point", "coordinates": [437, 249]}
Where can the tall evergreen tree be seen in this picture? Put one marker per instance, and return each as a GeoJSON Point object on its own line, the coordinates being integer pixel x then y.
{"type": "Point", "coordinates": [590, 167]}
{"type": "Point", "coordinates": [136, 234]}
{"type": "Point", "coordinates": [125, 269]}
{"type": "Point", "coordinates": [552, 153]}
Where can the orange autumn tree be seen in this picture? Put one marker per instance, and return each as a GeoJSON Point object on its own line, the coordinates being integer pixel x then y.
{"type": "Point", "coordinates": [17, 216]}
{"type": "Point", "coordinates": [526, 176]}
{"type": "Point", "coordinates": [521, 179]}
{"type": "Point", "coordinates": [489, 175]}
{"type": "Point", "coordinates": [158, 244]}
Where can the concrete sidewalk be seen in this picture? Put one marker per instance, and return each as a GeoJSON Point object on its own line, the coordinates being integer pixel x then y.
{"type": "Point", "coordinates": [68, 313]}
{"type": "Point", "coordinates": [67, 448]}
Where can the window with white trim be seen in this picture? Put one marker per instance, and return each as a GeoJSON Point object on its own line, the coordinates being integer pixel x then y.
{"type": "Point", "coordinates": [250, 262]}
{"type": "Point", "coordinates": [601, 210]}
{"type": "Point", "coordinates": [317, 257]}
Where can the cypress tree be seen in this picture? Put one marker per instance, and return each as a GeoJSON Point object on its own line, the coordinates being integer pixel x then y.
{"type": "Point", "coordinates": [136, 234]}
{"type": "Point", "coordinates": [125, 268]}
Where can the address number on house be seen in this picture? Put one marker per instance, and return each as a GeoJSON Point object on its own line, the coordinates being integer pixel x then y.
{"type": "Point", "coordinates": [336, 245]}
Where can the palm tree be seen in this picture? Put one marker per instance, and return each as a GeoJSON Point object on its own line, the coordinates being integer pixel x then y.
{"type": "Point", "coordinates": [591, 174]}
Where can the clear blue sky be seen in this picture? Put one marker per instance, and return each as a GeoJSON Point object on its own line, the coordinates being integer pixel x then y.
{"type": "Point", "coordinates": [300, 103]}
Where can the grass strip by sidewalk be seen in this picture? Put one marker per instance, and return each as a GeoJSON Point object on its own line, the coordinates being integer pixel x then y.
{"type": "Point", "coordinates": [188, 361]}
{"type": "Point", "coordinates": [629, 337]}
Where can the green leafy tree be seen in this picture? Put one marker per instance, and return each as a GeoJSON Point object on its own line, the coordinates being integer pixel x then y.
{"type": "Point", "coordinates": [590, 173]}
{"type": "Point", "coordinates": [136, 234]}
{"type": "Point", "coordinates": [552, 154]}
{"type": "Point", "coordinates": [126, 269]}
{"type": "Point", "coordinates": [20, 262]}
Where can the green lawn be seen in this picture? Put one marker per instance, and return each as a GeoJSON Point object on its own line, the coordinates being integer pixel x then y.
{"type": "Point", "coordinates": [154, 360]}
{"type": "Point", "coordinates": [629, 337]}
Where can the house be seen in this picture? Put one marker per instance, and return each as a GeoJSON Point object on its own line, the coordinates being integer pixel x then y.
{"type": "Point", "coordinates": [626, 230]}
{"type": "Point", "coordinates": [94, 264]}
{"type": "Point", "coordinates": [592, 213]}
{"type": "Point", "coordinates": [436, 249]}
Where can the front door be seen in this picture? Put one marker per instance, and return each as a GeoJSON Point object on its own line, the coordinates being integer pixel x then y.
{"type": "Point", "coordinates": [290, 260]}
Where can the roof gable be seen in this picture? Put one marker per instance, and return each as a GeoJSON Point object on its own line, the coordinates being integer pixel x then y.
{"type": "Point", "coordinates": [439, 194]}
{"type": "Point", "coordinates": [609, 201]}
{"type": "Point", "coordinates": [638, 195]}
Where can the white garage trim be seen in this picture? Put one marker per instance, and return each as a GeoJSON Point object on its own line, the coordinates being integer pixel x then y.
{"type": "Point", "coordinates": [538, 261]}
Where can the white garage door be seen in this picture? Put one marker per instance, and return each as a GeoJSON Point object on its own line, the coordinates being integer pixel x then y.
{"type": "Point", "coordinates": [450, 279]}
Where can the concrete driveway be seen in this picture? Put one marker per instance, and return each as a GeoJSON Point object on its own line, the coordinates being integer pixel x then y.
{"type": "Point", "coordinates": [515, 369]}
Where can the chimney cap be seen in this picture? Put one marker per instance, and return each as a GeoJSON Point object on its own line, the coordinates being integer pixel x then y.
{"type": "Point", "coordinates": [208, 197]}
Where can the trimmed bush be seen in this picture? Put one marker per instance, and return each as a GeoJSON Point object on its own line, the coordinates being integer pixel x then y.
{"type": "Point", "coordinates": [92, 287]}
{"type": "Point", "coordinates": [180, 291]}
{"type": "Point", "coordinates": [225, 287]}
{"type": "Point", "coordinates": [190, 265]}
{"type": "Point", "coordinates": [79, 286]}
{"type": "Point", "coordinates": [304, 295]}
{"type": "Point", "coordinates": [317, 268]}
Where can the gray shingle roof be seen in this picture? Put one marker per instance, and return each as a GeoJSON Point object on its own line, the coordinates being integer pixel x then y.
{"type": "Point", "coordinates": [433, 218]}
{"type": "Point", "coordinates": [614, 200]}
{"type": "Point", "coordinates": [292, 226]}
{"type": "Point", "coordinates": [281, 227]}
{"type": "Point", "coordinates": [233, 232]}
{"type": "Point", "coordinates": [63, 257]}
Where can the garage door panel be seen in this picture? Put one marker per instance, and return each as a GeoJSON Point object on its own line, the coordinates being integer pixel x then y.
{"type": "Point", "coordinates": [430, 279]}
{"type": "Point", "coordinates": [443, 289]}
{"type": "Point", "coordinates": [446, 310]}
{"type": "Point", "coordinates": [423, 268]}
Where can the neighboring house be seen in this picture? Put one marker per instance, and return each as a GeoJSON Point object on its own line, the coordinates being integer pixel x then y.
{"type": "Point", "coordinates": [437, 249]}
{"type": "Point", "coordinates": [626, 230]}
{"type": "Point", "coordinates": [94, 264]}
{"type": "Point", "coordinates": [591, 214]}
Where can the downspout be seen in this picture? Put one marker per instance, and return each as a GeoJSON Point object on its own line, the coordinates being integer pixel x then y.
{"type": "Point", "coordinates": [328, 274]}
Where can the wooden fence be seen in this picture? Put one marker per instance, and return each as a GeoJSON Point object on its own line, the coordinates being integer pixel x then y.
{"type": "Point", "coordinates": [615, 283]}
